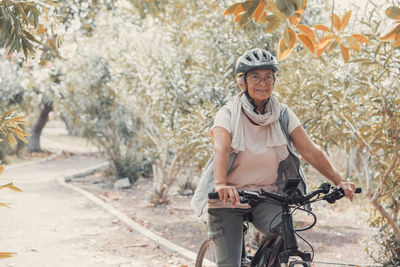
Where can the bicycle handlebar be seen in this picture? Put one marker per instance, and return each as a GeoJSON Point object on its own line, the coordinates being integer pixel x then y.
{"type": "Point", "coordinates": [330, 194]}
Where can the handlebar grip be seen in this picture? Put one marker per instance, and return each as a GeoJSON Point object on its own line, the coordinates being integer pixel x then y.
{"type": "Point", "coordinates": [357, 191]}
{"type": "Point", "coordinates": [213, 195]}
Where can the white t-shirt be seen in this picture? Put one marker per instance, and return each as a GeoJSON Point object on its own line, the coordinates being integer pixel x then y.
{"type": "Point", "coordinates": [257, 166]}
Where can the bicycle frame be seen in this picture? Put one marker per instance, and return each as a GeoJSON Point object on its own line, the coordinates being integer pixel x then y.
{"type": "Point", "coordinates": [287, 234]}
{"type": "Point", "coordinates": [289, 240]}
{"type": "Point", "coordinates": [291, 247]}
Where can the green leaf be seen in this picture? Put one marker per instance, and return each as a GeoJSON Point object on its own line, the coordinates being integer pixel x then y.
{"type": "Point", "coordinates": [30, 36]}
{"type": "Point", "coordinates": [21, 11]}
{"type": "Point", "coordinates": [393, 12]}
{"type": "Point", "coordinates": [36, 19]}
{"type": "Point", "coordinates": [273, 22]}
{"type": "Point", "coordinates": [12, 47]}
{"type": "Point", "coordinates": [24, 47]}
{"type": "Point", "coordinates": [12, 36]}
{"type": "Point", "coordinates": [332, 46]}
{"type": "Point", "coordinates": [18, 42]}
{"type": "Point", "coordinates": [252, 7]}
{"type": "Point", "coordinates": [244, 20]}
{"type": "Point", "coordinates": [232, 8]}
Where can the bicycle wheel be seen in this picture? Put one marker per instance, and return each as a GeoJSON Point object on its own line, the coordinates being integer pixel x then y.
{"type": "Point", "coordinates": [268, 252]}
{"type": "Point", "coordinates": [205, 255]}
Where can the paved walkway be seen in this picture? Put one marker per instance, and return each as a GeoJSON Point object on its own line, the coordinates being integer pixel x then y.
{"type": "Point", "coordinates": [50, 225]}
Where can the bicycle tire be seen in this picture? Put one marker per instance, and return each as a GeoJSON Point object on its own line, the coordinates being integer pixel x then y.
{"type": "Point", "coordinates": [267, 254]}
{"type": "Point", "coordinates": [205, 255]}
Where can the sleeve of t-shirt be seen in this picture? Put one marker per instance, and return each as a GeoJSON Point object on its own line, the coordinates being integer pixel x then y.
{"type": "Point", "coordinates": [293, 121]}
{"type": "Point", "coordinates": [222, 119]}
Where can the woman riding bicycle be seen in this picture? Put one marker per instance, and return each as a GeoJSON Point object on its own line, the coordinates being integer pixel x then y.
{"type": "Point", "coordinates": [253, 136]}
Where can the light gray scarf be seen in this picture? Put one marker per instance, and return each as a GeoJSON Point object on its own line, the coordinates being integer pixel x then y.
{"type": "Point", "coordinates": [275, 137]}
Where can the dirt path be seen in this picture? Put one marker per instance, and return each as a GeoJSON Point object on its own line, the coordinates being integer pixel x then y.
{"type": "Point", "coordinates": [50, 225]}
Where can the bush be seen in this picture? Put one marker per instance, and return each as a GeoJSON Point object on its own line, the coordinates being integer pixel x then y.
{"type": "Point", "coordinates": [389, 255]}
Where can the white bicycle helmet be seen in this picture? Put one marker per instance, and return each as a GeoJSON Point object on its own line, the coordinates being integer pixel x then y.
{"type": "Point", "coordinates": [255, 59]}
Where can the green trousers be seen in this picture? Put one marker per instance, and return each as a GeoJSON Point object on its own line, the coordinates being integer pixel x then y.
{"type": "Point", "coordinates": [225, 229]}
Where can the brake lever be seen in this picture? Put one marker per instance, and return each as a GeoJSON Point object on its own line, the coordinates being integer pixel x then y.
{"type": "Point", "coordinates": [325, 188]}
{"type": "Point", "coordinates": [335, 193]}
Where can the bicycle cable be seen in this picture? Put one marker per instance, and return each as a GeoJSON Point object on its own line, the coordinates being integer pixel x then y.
{"type": "Point", "coordinates": [310, 213]}
{"type": "Point", "coordinates": [312, 249]}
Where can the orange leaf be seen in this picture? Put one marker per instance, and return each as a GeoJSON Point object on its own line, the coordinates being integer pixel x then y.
{"type": "Point", "coordinates": [296, 18]}
{"type": "Point", "coordinates": [307, 42]}
{"type": "Point", "coordinates": [335, 21]}
{"type": "Point", "coordinates": [7, 254]}
{"type": "Point", "coordinates": [322, 46]}
{"type": "Point", "coordinates": [324, 41]}
{"type": "Point", "coordinates": [393, 12]}
{"type": "Point", "coordinates": [263, 18]}
{"type": "Point", "coordinates": [292, 20]}
{"type": "Point", "coordinates": [239, 9]}
{"type": "Point", "coordinates": [1, 169]}
{"type": "Point", "coordinates": [354, 43]}
{"type": "Point", "coordinates": [328, 37]}
{"type": "Point", "coordinates": [238, 17]}
{"type": "Point", "coordinates": [258, 11]}
{"type": "Point", "coordinates": [396, 43]}
{"type": "Point", "coordinates": [321, 27]}
{"type": "Point", "coordinates": [361, 38]}
{"type": "Point", "coordinates": [13, 188]}
{"type": "Point", "coordinates": [231, 9]}
{"type": "Point", "coordinates": [292, 37]}
{"type": "Point", "coordinates": [307, 31]}
{"type": "Point", "coordinates": [391, 35]}
{"type": "Point", "coordinates": [345, 52]}
{"type": "Point", "coordinates": [345, 20]}
{"type": "Point", "coordinates": [283, 49]}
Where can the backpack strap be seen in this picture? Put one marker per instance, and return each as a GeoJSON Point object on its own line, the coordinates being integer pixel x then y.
{"type": "Point", "coordinates": [284, 122]}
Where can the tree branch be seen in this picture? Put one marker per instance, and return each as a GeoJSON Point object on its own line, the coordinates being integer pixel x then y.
{"type": "Point", "coordinates": [390, 191]}
{"type": "Point", "coordinates": [388, 218]}
{"type": "Point", "coordinates": [357, 134]}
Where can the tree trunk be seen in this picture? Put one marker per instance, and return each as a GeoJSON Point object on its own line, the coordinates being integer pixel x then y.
{"type": "Point", "coordinates": [34, 141]}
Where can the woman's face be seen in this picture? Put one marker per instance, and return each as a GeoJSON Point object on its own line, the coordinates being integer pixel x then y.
{"type": "Point", "coordinates": [260, 84]}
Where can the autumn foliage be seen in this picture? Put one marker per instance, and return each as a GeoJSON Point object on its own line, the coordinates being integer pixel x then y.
{"type": "Point", "coordinates": [317, 39]}
{"type": "Point", "coordinates": [393, 35]}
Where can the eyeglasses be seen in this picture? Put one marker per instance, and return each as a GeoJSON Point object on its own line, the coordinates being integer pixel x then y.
{"type": "Point", "coordinates": [256, 79]}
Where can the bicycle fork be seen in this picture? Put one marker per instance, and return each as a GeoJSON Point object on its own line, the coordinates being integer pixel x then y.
{"type": "Point", "coordinates": [291, 247]}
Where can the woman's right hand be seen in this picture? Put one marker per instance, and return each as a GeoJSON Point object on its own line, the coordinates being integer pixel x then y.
{"type": "Point", "coordinates": [226, 192]}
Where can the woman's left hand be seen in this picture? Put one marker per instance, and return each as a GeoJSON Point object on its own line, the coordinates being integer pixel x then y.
{"type": "Point", "coordinates": [348, 188]}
